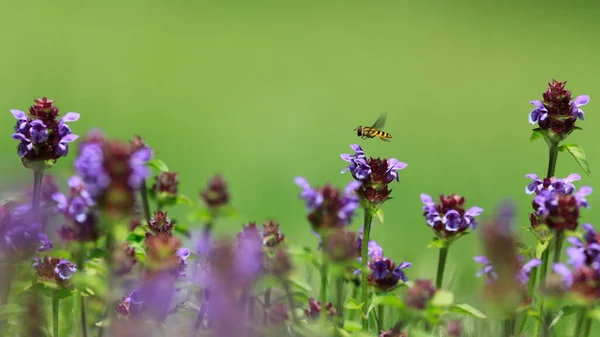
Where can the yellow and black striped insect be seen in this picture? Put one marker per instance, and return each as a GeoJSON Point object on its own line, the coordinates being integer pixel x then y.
{"type": "Point", "coordinates": [374, 130]}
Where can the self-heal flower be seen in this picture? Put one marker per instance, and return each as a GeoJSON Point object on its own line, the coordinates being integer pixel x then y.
{"type": "Point", "coordinates": [78, 205]}
{"type": "Point", "coordinates": [375, 174]}
{"type": "Point", "coordinates": [522, 276]}
{"type": "Point", "coordinates": [557, 202]}
{"type": "Point", "coordinates": [314, 309]}
{"type": "Point", "coordinates": [583, 280]}
{"type": "Point", "coordinates": [42, 136]}
{"type": "Point", "coordinates": [449, 218]}
{"type": "Point", "coordinates": [557, 111]}
{"type": "Point", "coordinates": [54, 269]}
{"type": "Point", "coordinates": [585, 252]}
{"type": "Point", "coordinates": [20, 235]}
{"type": "Point", "coordinates": [385, 274]}
{"type": "Point", "coordinates": [328, 207]}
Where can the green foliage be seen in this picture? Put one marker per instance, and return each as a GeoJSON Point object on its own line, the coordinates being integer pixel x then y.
{"type": "Point", "coordinates": [466, 309]}
{"type": "Point", "coordinates": [158, 165]}
{"type": "Point", "coordinates": [578, 154]}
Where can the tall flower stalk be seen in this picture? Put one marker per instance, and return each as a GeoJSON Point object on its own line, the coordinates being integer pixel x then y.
{"type": "Point", "coordinates": [374, 175]}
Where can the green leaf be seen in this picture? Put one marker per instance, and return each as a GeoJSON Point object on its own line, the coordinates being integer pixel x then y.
{"type": "Point", "coordinates": [436, 243]}
{"type": "Point", "coordinates": [466, 309]}
{"type": "Point", "coordinates": [158, 165]}
{"type": "Point", "coordinates": [352, 326]}
{"type": "Point", "coordinates": [379, 215]}
{"type": "Point", "coordinates": [565, 311]}
{"type": "Point", "coordinates": [578, 154]}
{"type": "Point", "coordinates": [595, 314]}
{"type": "Point", "coordinates": [540, 248]}
{"type": "Point", "coordinates": [300, 283]}
{"type": "Point", "coordinates": [201, 215]}
{"type": "Point", "coordinates": [388, 299]}
{"type": "Point", "coordinates": [537, 133]}
{"type": "Point", "coordinates": [184, 200]}
{"type": "Point", "coordinates": [11, 310]}
{"type": "Point", "coordinates": [351, 304]}
{"type": "Point", "coordinates": [442, 298]}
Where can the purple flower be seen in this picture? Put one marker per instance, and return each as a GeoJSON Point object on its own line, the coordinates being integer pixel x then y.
{"type": "Point", "coordinates": [20, 235]}
{"type": "Point", "coordinates": [585, 252]}
{"type": "Point", "coordinates": [385, 274]}
{"type": "Point", "coordinates": [249, 255]}
{"type": "Point", "coordinates": [77, 206]}
{"type": "Point", "coordinates": [41, 135]}
{"type": "Point", "coordinates": [525, 272]}
{"type": "Point", "coordinates": [565, 274]}
{"type": "Point", "coordinates": [539, 113]}
{"type": "Point", "coordinates": [449, 217]}
{"type": "Point", "coordinates": [64, 269]}
{"type": "Point", "coordinates": [487, 269]}
{"type": "Point", "coordinates": [89, 165]}
{"type": "Point", "coordinates": [577, 103]}
{"type": "Point", "coordinates": [139, 170]}
{"type": "Point", "coordinates": [329, 207]}
{"type": "Point", "coordinates": [374, 250]}
{"type": "Point", "coordinates": [490, 271]}
{"type": "Point", "coordinates": [182, 254]}
{"type": "Point", "coordinates": [38, 131]}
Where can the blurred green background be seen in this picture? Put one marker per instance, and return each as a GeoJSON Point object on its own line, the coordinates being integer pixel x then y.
{"type": "Point", "coordinates": [263, 91]}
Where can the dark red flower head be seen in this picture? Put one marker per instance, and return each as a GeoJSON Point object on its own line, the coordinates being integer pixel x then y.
{"type": "Point", "coordinates": [420, 293]}
{"type": "Point", "coordinates": [216, 194]}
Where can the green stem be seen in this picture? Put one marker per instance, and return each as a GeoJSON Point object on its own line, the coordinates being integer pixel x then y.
{"type": "Point", "coordinates": [145, 203]}
{"type": "Point", "coordinates": [587, 326]}
{"type": "Point", "coordinates": [530, 294]}
{"type": "Point", "coordinates": [580, 321]}
{"type": "Point", "coordinates": [441, 266]}
{"type": "Point", "coordinates": [37, 189]}
{"type": "Point", "coordinates": [364, 269]}
{"type": "Point", "coordinates": [560, 237]}
{"type": "Point", "coordinates": [80, 266]}
{"type": "Point", "coordinates": [267, 305]}
{"type": "Point", "coordinates": [553, 156]}
{"type": "Point", "coordinates": [55, 301]}
{"type": "Point", "coordinates": [290, 298]}
{"type": "Point", "coordinates": [324, 272]}
{"type": "Point", "coordinates": [339, 297]}
{"type": "Point", "coordinates": [381, 313]}
{"type": "Point", "coordinates": [355, 290]}
{"type": "Point", "coordinates": [509, 327]}
{"type": "Point", "coordinates": [541, 321]}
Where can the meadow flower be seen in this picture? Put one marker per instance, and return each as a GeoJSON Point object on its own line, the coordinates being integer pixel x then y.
{"type": "Point", "coordinates": [78, 205]}
{"type": "Point", "coordinates": [449, 218]}
{"type": "Point", "coordinates": [374, 174]}
{"type": "Point", "coordinates": [419, 294]}
{"type": "Point", "coordinates": [250, 254]}
{"type": "Point", "coordinates": [124, 259]}
{"type": "Point", "coordinates": [160, 223]}
{"type": "Point", "coordinates": [385, 274]}
{"type": "Point", "coordinates": [557, 202]}
{"type": "Point", "coordinates": [42, 136]}
{"type": "Point", "coordinates": [557, 111]}
{"type": "Point", "coordinates": [314, 309]}
{"type": "Point", "coordinates": [112, 171]}
{"type": "Point", "coordinates": [216, 194]}
{"type": "Point", "coordinates": [586, 252]}
{"type": "Point", "coordinates": [19, 234]}
{"type": "Point", "coordinates": [54, 269]}
{"type": "Point", "coordinates": [583, 280]}
{"type": "Point", "coordinates": [165, 189]}
{"type": "Point", "coordinates": [329, 207]}
{"type": "Point", "coordinates": [340, 246]}
{"type": "Point", "coordinates": [522, 276]}
{"type": "Point", "coordinates": [272, 236]}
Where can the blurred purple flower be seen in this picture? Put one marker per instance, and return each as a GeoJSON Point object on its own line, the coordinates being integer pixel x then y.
{"type": "Point", "coordinates": [139, 170]}
{"type": "Point", "coordinates": [78, 205]}
{"type": "Point", "coordinates": [489, 270]}
{"type": "Point", "coordinates": [89, 165]}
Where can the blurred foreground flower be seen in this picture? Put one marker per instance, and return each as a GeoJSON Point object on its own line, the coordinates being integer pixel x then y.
{"type": "Point", "coordinates": [20, 234]}
{"type": "Point", "coordinates": [54, 269]}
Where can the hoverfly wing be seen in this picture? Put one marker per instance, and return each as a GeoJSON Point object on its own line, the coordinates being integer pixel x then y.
{"type": "Point", "coordinates": [380, 122]}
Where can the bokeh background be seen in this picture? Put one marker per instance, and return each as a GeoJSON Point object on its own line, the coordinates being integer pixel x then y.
{"type": "Point", "coordinates": [263, 91]}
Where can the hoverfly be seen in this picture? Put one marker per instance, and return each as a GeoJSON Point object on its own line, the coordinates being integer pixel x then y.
{"type": "Point", "coordinates": [375, 130]}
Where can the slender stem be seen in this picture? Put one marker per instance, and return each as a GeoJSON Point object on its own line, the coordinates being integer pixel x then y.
{"type": "Point", "coordinates": [290, 298]}
{"type": "Point", "coordinates": [553, 148]}
{"type": "Point", "coordinates": [37, 189]}
{"type": "Point", "coordinates": [324, 274]}
{"type": "Point", "coordinates": [80, 266]}
{"type": "Point", "coordinates": [541, 321]}
{"type": "Point", "coordinates": [355, 290]}
{"type": "Point", "coordinates": [381, 313]}
{"type": "Point", "coordinates": [55, 301]}
{"type": "Point", "coordinates": [587, 326]}
{"type": "Point", "coordinates": [202, 312]}
{"type": "Point", "coordinates": [145, 203]}
{"type": "Point", "coordinates": [339, 301]}
{"type": "Point", "coordinates": [560, 237]}
{"type": "Point", "coordinates": [267, 305]}
{"type": "Point", "coordinates": [441, 266]}
{"type": "Point", "coordinates": [530, 293]}
{"type": "Point", "coordinates": [364, 269]}
{"type": "Point", "coordinates": [509, 327]}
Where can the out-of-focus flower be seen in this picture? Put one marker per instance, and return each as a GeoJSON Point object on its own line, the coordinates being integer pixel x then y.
{"type": "Point", "coordinates": [54, 269]}
{"type": "Point", "coordinates": [419, 294]}
{"type": "Point", "coordinates": [328, 207]}
{"type": "Point", "coordinates": [314, 309]}
{"type": "Point", "coordinates": [42, 136]}
{"type": "Point", "coordinates": [586, 252]}
{"type": "Point", "coordinates": [374, 174]}
{"type": "Point", "coordinates": [160, 223]}
{"type": "Point", "coordinates": [454, 329]}
{"type": "Point", "coordinates": [165, 189]}
{"type": "Point", "coordinates": [272, 236]}
{"type": "Point", "coordinates": [77, 206]}
{"type": "Point", "coordinates": [20, 235]}
{"type": "Point", "coordinates": [112, 171]}
{"type": "Point", "coordinates": [47, 189]}
{"type": "Point", "coordinates": [124, 259]}
{"type": "Point", "coordinates": [216, 194]}
{"type": "Point", "coordinates": [278, 313]}
{"type": "Point", "coordinates": [522, 277]}
{"type": "Point", "coordinates": [340, 246]}
{"type": "Point", "coordinates": [557, 111]}
{"type": "Point", "coordinates": [449, 218]}
{"type": "Point", "coordinates": [557, 202]}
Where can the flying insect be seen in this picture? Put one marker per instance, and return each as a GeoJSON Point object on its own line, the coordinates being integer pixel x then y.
{"type": "Point", "coordinates": [374, 130]}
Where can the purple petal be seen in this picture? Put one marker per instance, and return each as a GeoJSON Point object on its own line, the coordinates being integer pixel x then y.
{"type": "Point", "coordinates": [533, 176]}
{"type": "Point", "coordinates": [581, 100]}
{"type": "Point", "coordinates": [539, 105]}
{"type": "Point", "coordinates": [395, 164]}
{"type": "Point", "coordinates": [571, 178]}
{"type": "Point", "coordinates": [356, 148]}
{"type": "Point", "coordinates": [574, 241]}
{"type": "Point", "coordinates": [143, 154]}
{"type": "Point", "coordinates": [21, 137]}
{"type": "Point", "coordinates": [576, 256]}
{"type": "Point", "coordinates": [427, 199]}
{"type": "Point", "coordinates": [564, 272]}
{"type": "Point", "coordinates": [481, 259]}
{"type": "Point", "coordinates": [183, 253]}
{"type": "Point", "coordinates": [60, 198]}
{"type": "Point", "coordinates": [18, 114]}
{"type": "Point", "coordinates": [531, 264]}
{"type": "Point", "coordinates": [302, 182]}
{"type": "Point", "coordinates": [346, 157]}
{"type": "Point", "coordinates": [70, 117]}
{"type": "Point", "coordinates": [474, 211]}
{"type": "Point", "coordinates": [404, 265]}
{"type": "Point", "coordinates": [352, 186]}
{"type": "Point", "coordinates": [69, 138]}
